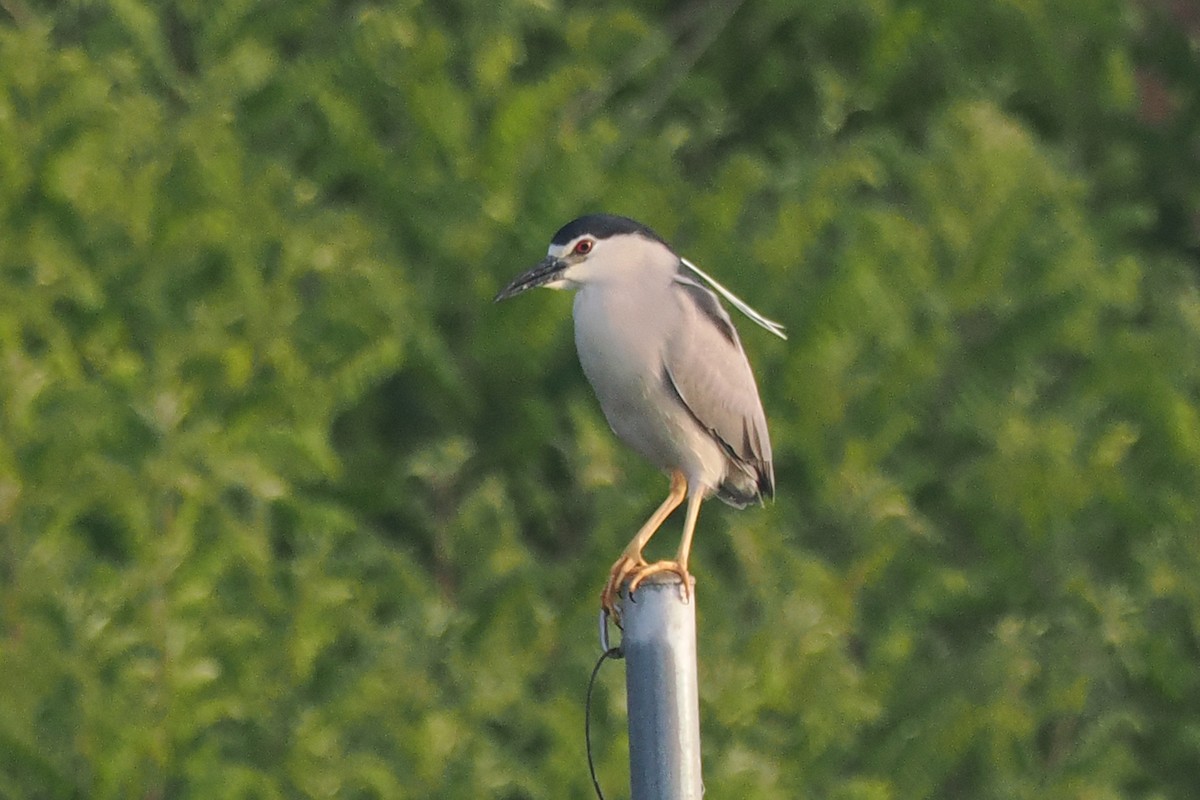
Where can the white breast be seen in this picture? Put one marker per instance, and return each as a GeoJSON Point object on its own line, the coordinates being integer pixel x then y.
{"type": "Point", "coordinates": [620, 337]}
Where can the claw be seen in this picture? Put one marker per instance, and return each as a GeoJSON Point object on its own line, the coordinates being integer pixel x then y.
{"type": "Point", "coordinates": [628, 564]}
{"type": "Point", "coordinates": [635, 570]}
{"type": "Point", "coordinates": [664, 566]}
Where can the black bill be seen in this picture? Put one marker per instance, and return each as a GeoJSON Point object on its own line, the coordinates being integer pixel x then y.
{"type": "Point", "coordinates": [547, 270]}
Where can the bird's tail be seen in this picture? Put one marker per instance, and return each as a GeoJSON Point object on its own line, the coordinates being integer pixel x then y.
{"type": "Point", "coordinates": [751, 484]}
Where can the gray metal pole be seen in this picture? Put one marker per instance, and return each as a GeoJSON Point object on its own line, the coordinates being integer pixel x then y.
{"type": "Point", "coordinates": [659, 640]}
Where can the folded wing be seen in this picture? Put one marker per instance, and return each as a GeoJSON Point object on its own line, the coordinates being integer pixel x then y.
{"type": "Point", "coordinates": [711, 376]}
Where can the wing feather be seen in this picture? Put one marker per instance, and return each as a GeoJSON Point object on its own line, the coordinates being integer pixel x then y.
{"type": "Point", "coordinates": [709, 373]}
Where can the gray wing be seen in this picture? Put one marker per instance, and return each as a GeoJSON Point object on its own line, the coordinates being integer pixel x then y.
{"type": "Point", "coordinates": [710, 375]}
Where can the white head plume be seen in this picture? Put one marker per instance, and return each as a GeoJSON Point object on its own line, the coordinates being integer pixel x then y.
{"type": "Point", "coordinates": [738, 303]}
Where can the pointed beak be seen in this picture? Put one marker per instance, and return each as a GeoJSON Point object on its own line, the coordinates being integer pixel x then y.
{"type": "Point", "coordinates": [547, 270]}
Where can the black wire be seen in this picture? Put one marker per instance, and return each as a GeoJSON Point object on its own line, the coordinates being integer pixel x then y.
{"type": "Point", "coordinates": [612, 652]}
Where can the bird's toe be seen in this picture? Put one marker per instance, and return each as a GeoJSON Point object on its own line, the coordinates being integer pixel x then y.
{"type": "Point", "coordinates": [646, 570]}
{"type": "Point", "coordinates": [628, 564]}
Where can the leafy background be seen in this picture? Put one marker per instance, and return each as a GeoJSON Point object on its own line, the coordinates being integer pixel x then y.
{"type": "Point", "coordinates": [289, 509]}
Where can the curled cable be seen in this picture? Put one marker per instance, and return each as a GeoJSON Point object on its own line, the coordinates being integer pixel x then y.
{"type": "Point", "coordinates": [614, 653]}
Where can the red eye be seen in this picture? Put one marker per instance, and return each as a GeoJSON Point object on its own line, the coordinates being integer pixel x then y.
{"type": "Point", "coordinates": [583, 247]}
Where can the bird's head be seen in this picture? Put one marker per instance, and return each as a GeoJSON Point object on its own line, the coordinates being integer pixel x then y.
{"type": "Point", "coordinates": [594, 249]}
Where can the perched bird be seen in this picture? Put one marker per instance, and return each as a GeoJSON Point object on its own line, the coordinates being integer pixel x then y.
{"type": "Point", "coordinates": [668, 368]}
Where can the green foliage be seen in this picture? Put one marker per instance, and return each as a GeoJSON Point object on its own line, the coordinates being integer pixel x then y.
{"type": "Point", "coordinates": [289, 509]}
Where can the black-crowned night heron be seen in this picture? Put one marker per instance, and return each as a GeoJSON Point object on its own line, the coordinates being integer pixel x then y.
{"type": "Point", "coordinates": [668, 368]}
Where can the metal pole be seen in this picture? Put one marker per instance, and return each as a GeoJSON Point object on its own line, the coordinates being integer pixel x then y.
{"type": "Point", "coordinates": [659, 640]}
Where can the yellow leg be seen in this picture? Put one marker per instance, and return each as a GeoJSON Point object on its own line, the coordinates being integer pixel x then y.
{"type": "Point", "coordinates": [679, 565]}
{"type": "Point", "coordinates": [631, 560]}
{"type": "Point", "coordinates": [689, 528]}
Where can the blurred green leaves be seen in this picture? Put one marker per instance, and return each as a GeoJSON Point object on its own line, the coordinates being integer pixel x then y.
{"type": "Point", "coordinates": [288, 508]}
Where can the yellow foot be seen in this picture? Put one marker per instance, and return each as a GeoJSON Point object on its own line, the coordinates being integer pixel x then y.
{"type": "Point", "coordinates": [635, 570]}
{"type": "Point", "coordinates": [663, 566]}
{"type": "Point", "coordinates": [628, 564]}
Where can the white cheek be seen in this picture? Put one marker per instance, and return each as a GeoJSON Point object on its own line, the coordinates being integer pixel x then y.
{"type": "Point", "coordinates": [572, 277]}
{"type": "Point", "coordinates": [585, 272]}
